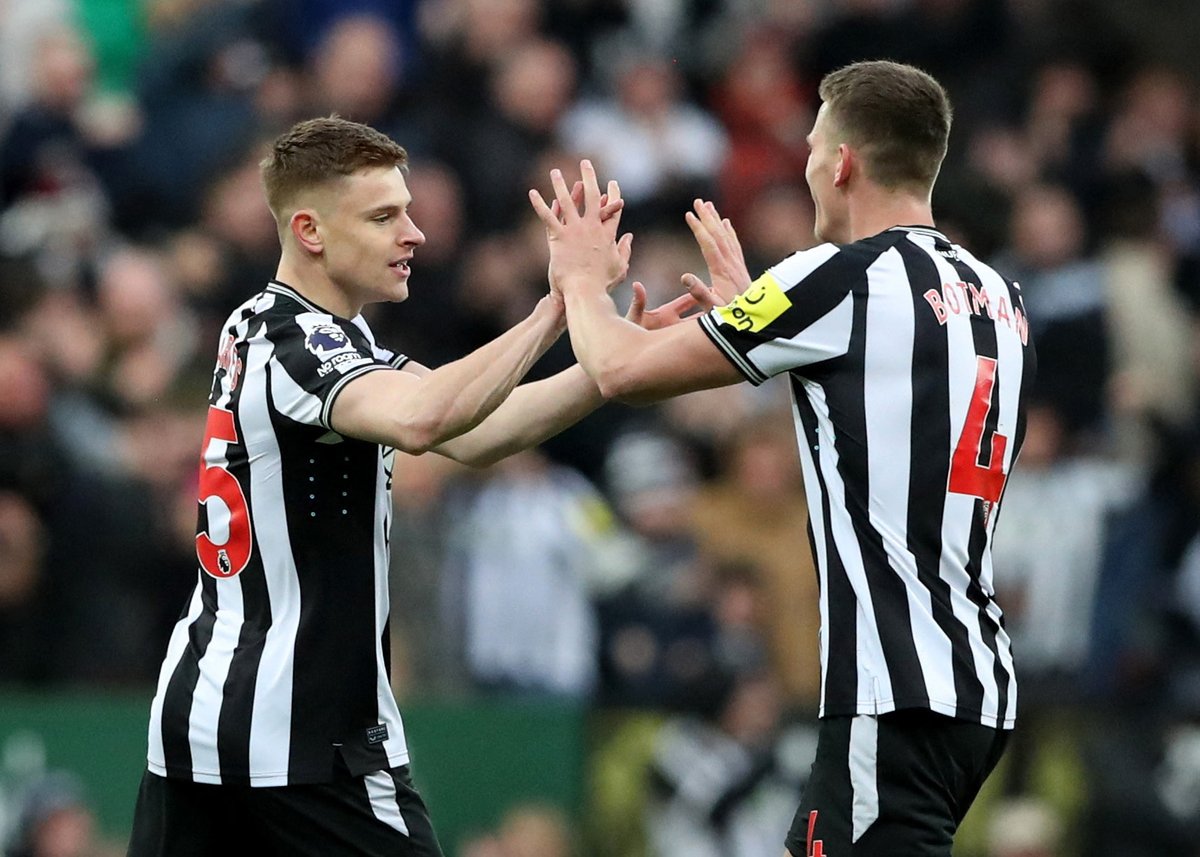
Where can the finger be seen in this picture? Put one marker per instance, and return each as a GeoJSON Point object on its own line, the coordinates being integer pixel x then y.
{"type": "Point", "coordinates": [712, 220]}
{"type": "Point", "coordinates": [680, 305]}
{"type": "Point", "coordinates": [543, 211]}
{"type": "Point", "coordinates": [637, 304]}
{"type": "Point", "coordinates": [698, 289]}
{"type": "Point", "coordinates": [625, 247]}
{"type": "Point", "coordinates": [577, 194]}
{"type": "Point", "coordinates": [614, 190]}
{"type": "Point", "coordinates": [610, 207]}
{"type": "Point", "coordinates": [569, 211]}
{"type": "Point", "coordinates": [591, 187]}
{"type": "Point", "coordinates": [704, 238]}
{"type": "Point", "coordinates": [733, 236]}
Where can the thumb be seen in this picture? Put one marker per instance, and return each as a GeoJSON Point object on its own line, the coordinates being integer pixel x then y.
{"type": "Point", "coordinates": [637, 305]}
{"type": "Point", "coordinates": [699, 290]}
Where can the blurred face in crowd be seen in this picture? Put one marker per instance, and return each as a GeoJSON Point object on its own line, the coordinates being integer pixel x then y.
{"type": "Point", "coordinates": [1047, 227]}
{"type": "Point", "coordinates": [824, 177]}
{"type": "Point", "coordinates": [357, 66]}
{"type": "Point", "coordinates": [365, 234]}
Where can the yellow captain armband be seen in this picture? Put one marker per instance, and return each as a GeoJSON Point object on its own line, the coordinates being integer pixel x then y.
{"type": "Point", "coordinates": [758, 306]}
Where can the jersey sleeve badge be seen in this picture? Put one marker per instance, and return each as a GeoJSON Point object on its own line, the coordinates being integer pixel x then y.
{"type": "Point", "coordinates": [325, 340]}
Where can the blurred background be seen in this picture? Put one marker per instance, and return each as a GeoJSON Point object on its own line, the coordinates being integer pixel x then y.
{"type": "Point", "coordinates": [607, 647]}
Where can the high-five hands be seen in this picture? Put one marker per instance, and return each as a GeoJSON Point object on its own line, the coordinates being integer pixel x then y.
{"type": "Point", "coordinates": [581, 228]}
{"type": "Point", "coordinates": [726, 268]}
{"type": "Point", "coordinates": [722, 254]}
{"type": "Point", "coordinates": [584, 252]}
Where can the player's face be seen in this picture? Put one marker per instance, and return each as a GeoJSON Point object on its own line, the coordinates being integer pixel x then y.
{"type": "Point", "coordinates": [832, 220]}
{"type": "Point", "coordinates": [369, 236]}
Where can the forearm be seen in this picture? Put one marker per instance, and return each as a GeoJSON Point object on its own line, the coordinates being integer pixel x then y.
{"type": "Point", "coordinates": [460, 395]}
{"type": "Point", "coordinates": [605, 344]}
{"type": "Point", "coordinates": [533, 413]}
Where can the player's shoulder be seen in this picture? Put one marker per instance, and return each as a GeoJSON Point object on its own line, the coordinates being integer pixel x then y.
{"type": "Point", "coordinates": [802, 263]}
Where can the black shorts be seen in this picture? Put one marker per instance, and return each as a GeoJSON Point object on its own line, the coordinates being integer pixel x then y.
{"type": "Point", "coordinates": [896, 785]}
{"type": "Point", "coordinates": [377, 814]}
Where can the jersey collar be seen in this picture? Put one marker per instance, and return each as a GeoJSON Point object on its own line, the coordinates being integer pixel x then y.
{"type": "Point", "coordinates": [279, 287]}
{"type": "Point", "coordinates": [921, 230]}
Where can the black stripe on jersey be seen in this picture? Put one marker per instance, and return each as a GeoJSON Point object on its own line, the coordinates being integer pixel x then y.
{"type": "Point", "coordinates": [930, 429]}
{"type": "Point", "coordinates": [847, 396]}
{"type": "Point", "coordinates": [237, 705]}
{"type": "Point", "coordinates": [983, 330]}
{"type": "Point", "coordinates": [177, 699]}
{"type": "Point", "coordinates": [840, 679]}
{"type": "Point", "coordinates": [335, 680]}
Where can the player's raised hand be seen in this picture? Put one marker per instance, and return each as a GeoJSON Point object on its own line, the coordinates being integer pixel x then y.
{"type": "Point", "coordinates": [722, 253]}
{"type": "Point", "coordinates": [584, 252]}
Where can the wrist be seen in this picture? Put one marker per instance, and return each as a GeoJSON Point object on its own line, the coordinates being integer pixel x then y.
{"type": "Point", "coordinates": [554, 308]}
{"type": "Point", "coordinates": [581, 285]}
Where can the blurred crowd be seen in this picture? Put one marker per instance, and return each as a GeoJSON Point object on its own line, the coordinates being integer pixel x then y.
{"type": "Point", "coordinates": [650, 561]}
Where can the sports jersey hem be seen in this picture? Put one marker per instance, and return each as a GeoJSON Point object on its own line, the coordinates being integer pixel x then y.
{"type": "Point", "coordinates": [399, 361]}
{"type": "Point", "coordinates": [265, 780]}
{"type": "Point", "coordinates": [887, 706]}
{"type": "Point", "coordinates": [739, 361]}
{"type": "Point", "coordinates": [327, 409]}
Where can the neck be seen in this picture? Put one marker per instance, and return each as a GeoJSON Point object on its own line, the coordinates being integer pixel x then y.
{"type": "Point", "coordinates": [873, 210]}
{"type": "Point", "coordinates": [311, 281]}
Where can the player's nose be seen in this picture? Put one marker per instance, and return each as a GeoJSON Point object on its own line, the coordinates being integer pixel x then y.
{"type": "Point", "coordinates": [411, 235]}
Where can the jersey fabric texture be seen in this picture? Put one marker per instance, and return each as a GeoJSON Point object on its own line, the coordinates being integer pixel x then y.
{"type": "Point", "coordinates": [277, 672]}
{"type": "Point", "coordinates": [910, 364]}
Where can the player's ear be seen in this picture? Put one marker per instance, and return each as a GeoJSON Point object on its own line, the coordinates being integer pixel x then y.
{"type": "Point", "coordinates": [306, 230]}
{"type": "Point", "coordinates": [845, 164]}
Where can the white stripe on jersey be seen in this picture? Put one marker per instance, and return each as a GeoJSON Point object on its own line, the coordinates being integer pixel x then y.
{"type": "Point", "coordinates": [396, 746]}
{"type": "Point", "coordinates": [799, 265]}
{"type": "Point", "coordinates": [960, 508]}
{"type": "Point", "coordinates": [824, 339]}
{"type": "Point", "coordinates": [156, 757]}
{"type": "Point", "coordinates": [816, 521]}
{"type": "Point", "coordinates": [214, 669]}
{"type": "Point", "coordinates": [874, 678]}
{"type": "Point", "coordinates": [270, 723]}
{"type": "Point", "coordinates": [887, 392]}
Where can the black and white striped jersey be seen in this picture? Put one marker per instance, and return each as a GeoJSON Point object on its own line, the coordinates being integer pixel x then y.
{"type": "Point", "coordinates": [910, 364]}
{"type": "Point", "coordinates": [279, 664]}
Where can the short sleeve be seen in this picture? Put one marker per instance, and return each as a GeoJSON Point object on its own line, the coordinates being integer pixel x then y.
{"type": "Point", "coordinates": [315, 356]}
{"type": "Point", "coordinates": [799, 312]}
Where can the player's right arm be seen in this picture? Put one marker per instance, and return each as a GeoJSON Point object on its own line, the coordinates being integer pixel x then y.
{"type": "Point", "coordinates": [416, 412]}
